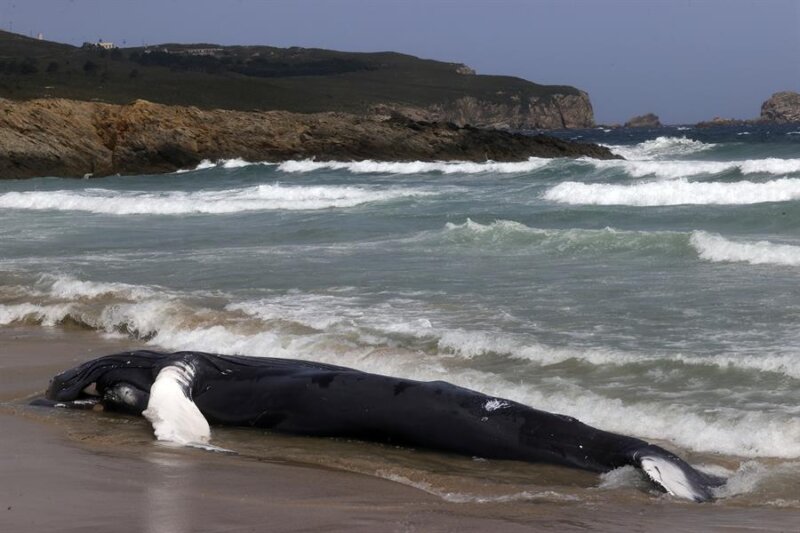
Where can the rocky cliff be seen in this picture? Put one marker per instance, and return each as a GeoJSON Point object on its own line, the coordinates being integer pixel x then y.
{"type": "Point", "coordinates": [56, 137]}
{"type": "Point", "coordinates": [782, 107]}
{"type": "Point", "coordinates": [517, 112]}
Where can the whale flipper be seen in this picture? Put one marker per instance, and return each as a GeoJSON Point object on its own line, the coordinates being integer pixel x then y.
{"type": "Point", "coordinates": [675, 475]}
{"type": "Point", "coordinates": [170, 409]}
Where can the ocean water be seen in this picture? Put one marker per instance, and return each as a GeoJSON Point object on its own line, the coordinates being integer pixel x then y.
{"type": "Point", "coordinates": [657, 296]}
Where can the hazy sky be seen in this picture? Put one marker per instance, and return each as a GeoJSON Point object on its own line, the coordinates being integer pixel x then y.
{"type": "Point", "coordinates": [685, 60]}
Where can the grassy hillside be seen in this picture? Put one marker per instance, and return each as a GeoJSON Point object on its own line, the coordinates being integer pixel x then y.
{"type": "Point", "coordinates": [245, 77]}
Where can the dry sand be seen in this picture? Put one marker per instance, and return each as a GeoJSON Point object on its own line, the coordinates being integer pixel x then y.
{"type": "Point", "coordinates": [54, 478]}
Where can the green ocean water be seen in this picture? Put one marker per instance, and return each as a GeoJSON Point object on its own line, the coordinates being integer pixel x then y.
{"type": "Point", "coordinates": [656, 296]}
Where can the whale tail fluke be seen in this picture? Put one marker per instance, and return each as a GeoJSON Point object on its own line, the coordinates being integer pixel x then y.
{"type": "Point", "coordinates": [675, 475]}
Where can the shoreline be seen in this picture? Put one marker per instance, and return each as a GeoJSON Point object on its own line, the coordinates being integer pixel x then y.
{"type": "Point", "coordinates": [71, 138]}
{"type": "Point", "coordinates": [105, 470]}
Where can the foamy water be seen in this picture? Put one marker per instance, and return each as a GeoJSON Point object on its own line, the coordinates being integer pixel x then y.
{"type": "Point", "coordinates": [676, 192]}
{"type": "Point", "coordinates": [655, 296]}
{"type": "Point", "coordinates": [415, 167]}
{"type": "Point", "coordinates": [257, 198]}
{"type": "Point", "coordinates": [660, 147]}
{"type": "Point", "coordinates": [719, 249]}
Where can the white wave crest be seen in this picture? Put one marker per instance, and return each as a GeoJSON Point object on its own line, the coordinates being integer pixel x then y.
{"type": "Point", "coordinates": [672, 169]}
{"type": "Point", "coordinates": [237, 162]}
{"type": "Point", "coordinates": [660, 147]}
{"type": "Point", "coordinates": [256, 198]}
{"type": "Point", "coordinates": [46, 315]}
{"type": "Point", "coordinates": [496, 231]}
{"type": "Point", "coordinates": [770, 165]}
{"type": "Point", "coordinates": [415, 167]}
{"type": "Point", "coordinates": [716, 248]}
{"type": "Point", "coordinates": [509, 233]}
{"type": "Point", "coordinates": [67, 287]}
{"type": "Point", "coordinates": [676, 192]}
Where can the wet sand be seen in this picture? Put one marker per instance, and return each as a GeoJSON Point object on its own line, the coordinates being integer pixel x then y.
{"type": "Point", "coordinates": [76, 471]}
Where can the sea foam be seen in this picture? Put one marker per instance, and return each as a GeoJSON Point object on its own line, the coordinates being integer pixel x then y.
{"type": "Point", "coordinates": [415, 167]}
{"type": "Point", "coordinates": [675, 192]}
{"type": "Point", "coordinates": [660, 147]}
{"type": "Point", "coordinates": [716, 248]}
{"type": "Point", "coordinates": [672, 169]}
{"type": "Point", "coordinates": [517, 237]}
{"type": "Point", "coordinates": [255, 198]}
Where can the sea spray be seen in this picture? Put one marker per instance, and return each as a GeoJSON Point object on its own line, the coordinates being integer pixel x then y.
{"type": "Point", "coordinates": [660, 147]}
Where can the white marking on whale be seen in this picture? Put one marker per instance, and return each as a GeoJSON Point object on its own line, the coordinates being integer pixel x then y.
{"type": "Point", "coordinates": [494, 404]}
{"type": "Point", "coordinates": [670, 476]}
{"type": "Point", "coordinates": [171, 411]}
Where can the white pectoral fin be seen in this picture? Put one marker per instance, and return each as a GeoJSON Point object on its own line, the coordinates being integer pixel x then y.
{"type": "Point", "coordinates": [174, 416]}
{"type": "Point", "coordinates": [676, 478]}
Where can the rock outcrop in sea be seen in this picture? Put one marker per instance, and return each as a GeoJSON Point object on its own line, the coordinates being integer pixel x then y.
{"type": "Point", "coordinates": [722, 122]}
{"type": "Point", "coordinates": [57, 137]}
{"type": "Point", "coordinates": [650, 120]}
{"type": "Point", "coordinates": [782, 107]}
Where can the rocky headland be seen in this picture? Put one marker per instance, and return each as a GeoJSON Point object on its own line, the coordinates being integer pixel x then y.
{"type": "Point", "coordinates": [59, 137]}
{"type": "Point", "coordinates": [780, 108]}
{"type": "Point", "coordinates": [300, 80]}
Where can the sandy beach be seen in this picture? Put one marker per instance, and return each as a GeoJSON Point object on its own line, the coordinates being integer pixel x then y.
{"type": "Point", "coordinates": [73, 471]}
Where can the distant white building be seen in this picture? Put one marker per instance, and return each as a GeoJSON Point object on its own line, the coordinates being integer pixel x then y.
{"type": "Point", "coordinates": [105, 44]}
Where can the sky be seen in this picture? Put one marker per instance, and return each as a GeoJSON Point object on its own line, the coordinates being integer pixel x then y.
{"type": "Point", "coordinates": [685, 60]}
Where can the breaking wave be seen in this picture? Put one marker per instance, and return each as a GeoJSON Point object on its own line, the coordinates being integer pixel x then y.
{"type": "Point", "coordinates": [415, 167]}
{"type": "Point", "coordinates": [237, 162]}
{"type": "Point", "coordinates": [660, 147]}
{"type": "Point", "coordinates": [510, 234]}
{"type": "Point", "coordinates": [676, 192]}
{"type": "Point", "coordinates": [256, 198]}
{"type": "Point", "coordinates": [650, 158]}
{"type": "Point", "coordinates": [716, 248]}
{"type": "Point", "coordinates": [672, 169]}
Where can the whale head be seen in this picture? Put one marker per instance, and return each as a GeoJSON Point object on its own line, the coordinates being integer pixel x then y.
{"type": "Point", "coordinates": [137, 368]}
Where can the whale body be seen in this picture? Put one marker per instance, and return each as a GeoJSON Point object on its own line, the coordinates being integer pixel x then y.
{"type": "Point", "coordinates": [182, 394]}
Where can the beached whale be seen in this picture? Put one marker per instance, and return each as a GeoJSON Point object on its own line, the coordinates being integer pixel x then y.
{"type": "Point", "coordinates": [181, 393]}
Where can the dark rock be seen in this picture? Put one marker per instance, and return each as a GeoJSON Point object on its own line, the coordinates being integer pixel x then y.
{"type": "Point", "coordinates": [719, 121]}
{"type": "Point", "coordinates": [782, 107]}
{"type": "Point", "coordinates": [650, 120]}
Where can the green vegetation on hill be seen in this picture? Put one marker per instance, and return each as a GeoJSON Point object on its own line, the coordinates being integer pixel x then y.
{"type": "Point", "coordinates": [246, 77]}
